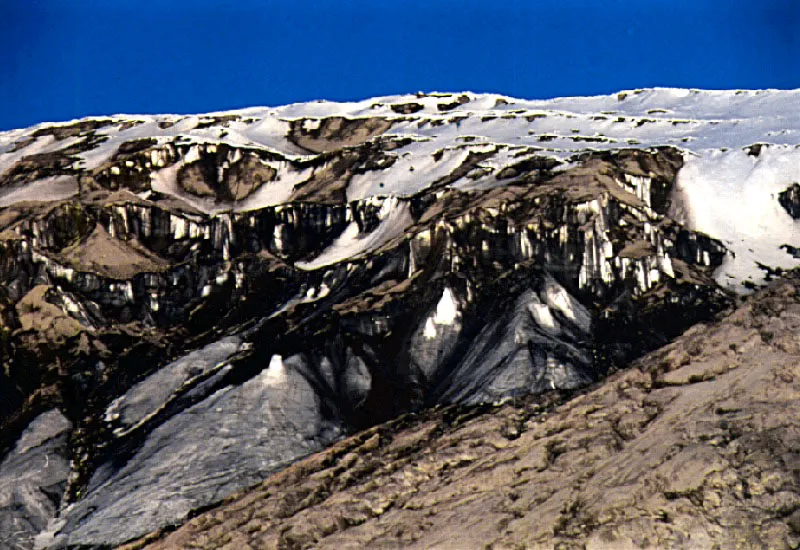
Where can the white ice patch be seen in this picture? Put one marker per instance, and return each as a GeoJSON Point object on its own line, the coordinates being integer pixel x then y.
{"type": "Point", "coordinates": [395, 219]}
{"type": "Point", "coordinates": [275, 192]}
{"type": "Point", "coordinates": [446, 314]}
{"type": "Point", "coordinates": [543, 317]}
{"type": "Point", "coordinates": [560, 300]}
{"type": "Point", "coordinates": [311, 124]}
{"type": "Point", "coordinates": [447, 309]}
{"type": "Point", "coordinates": [276, 372]}
{"type": "Point", "coordinates": [270, 132]}
{"type": "Point", "coordinates": [55, 188]}
{"type": "Point", "coordinates": [733, 197]}
{"type": "Point", "coordinates": [430, 329]}
{"type": "Point", "coordinates": [417, 167]}
{"type": "Point", "coordinates": [95, 158]}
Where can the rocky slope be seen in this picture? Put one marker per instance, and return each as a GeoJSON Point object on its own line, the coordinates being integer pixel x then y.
{"type": "Point", "coordinates": [191, 303]}
{"type": "Point", "coordinates": [697, 445]}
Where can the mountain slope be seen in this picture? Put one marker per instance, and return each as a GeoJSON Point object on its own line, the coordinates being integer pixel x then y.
{"type": "Point", "coordinates": [400, 145]}
{"type": "Point", "coordinates": [191, 303]}
{"type": "Point", "coordinates": [696, 446]}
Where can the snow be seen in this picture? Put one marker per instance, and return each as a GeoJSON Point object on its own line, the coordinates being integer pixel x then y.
{"type": "Point", "coordinates": [412, 172]}
{"type": "Point", "coordinates": [430, 329]}
{"type": "Point", "coordinates": [447, 309]}
{"type": "Point", "coordinates": [275, 192]}
{"type": "Point", "coordinates": [55, 188]}
{"type": "Point", "coordinates": [712, 127]}
{"type": "Point", "coordinates": [395, 219]}
{"type": "Point", "coordinates": [560, 300]}
{"type": "Point", "coordinates": [543, 317]}
{"type": "Point", "coordinates": [276, 372]}
{"type": "Point", "coordinates": [713, 118]}
{"type": "Point", "coordinates": [447, 314]}
{"type": "Point", "coordinates": [733, 196]}
{"type": "Point", "coordinates": [8, 140]}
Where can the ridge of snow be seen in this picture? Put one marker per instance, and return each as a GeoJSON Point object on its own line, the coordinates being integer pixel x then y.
{"type": "Point", "coordinates": [711, 119]}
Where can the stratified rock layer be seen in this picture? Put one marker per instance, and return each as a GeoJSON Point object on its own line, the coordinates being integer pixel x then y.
{"type": "Point", "coordinates": [338, 316]}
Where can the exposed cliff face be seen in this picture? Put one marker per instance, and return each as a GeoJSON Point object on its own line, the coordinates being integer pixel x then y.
{"type": "Point", "coordinates": [207, 299]}
{"type": "Point", "coordinates": [790, 200]}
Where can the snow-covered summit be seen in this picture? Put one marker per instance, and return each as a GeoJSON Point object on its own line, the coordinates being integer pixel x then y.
{"type": "Point", "coordinates": [692, 119]}
{"type": "Point", "coordinates": [727, 188]}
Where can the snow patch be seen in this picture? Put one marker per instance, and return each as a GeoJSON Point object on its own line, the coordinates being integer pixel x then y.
{"type": "Point", "coordinates": [733, 197]}
{"type": "Point", "coordinates": [55, 188]}
{"type": "Point", "coordinates": [394, 217]}
{"type": "Point", "coordinates": [447, 314]}
{"type": "Point", "coordinates": [560, 300]}
{"type": "Point", "coordinates": [447, 309]}
{"type": "Point", "coordinates": [543, 317]}
{"type": "Point", "coordinates": [430, 329]}
{"type": "Point", "coordinates": [276, 372]}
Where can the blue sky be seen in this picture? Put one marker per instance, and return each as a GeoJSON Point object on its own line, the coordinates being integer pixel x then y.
{"type": "Point", "coordinates": [64, 59]}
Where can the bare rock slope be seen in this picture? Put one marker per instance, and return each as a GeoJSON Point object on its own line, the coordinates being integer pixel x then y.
{"type": "Point", "coordinates": [696, 446]}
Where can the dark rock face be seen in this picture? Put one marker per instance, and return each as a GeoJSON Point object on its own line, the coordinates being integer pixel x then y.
{"type": "Point", "coordinates": [199, 336]}
{"type": "Point", "coordinates": [790, 200]}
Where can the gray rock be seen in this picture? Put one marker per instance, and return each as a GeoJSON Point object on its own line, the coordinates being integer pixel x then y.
{"type": "Point", "coordinates": [148, 396]}
{"type": "Point", "coordinates": [231, 440]}
{"type": "Point", "coordinates": [32, 480]}
{"type": "Point", "coordinates": [542, 343]}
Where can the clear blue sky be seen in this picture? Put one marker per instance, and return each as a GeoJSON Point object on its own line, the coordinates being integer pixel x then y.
{"type": "Point", "coordinates": [63, 59]}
